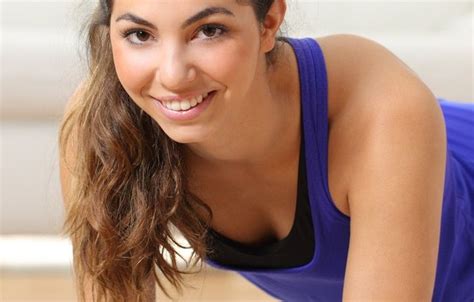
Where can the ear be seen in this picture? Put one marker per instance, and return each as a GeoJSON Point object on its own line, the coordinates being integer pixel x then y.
{"type": "Point", "coordinates": [271, 24]}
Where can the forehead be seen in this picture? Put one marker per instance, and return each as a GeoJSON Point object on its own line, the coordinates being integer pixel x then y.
{"type": "Point", "coordinates": [171, 14]}
{"type": "Point", "coordinates": [173, 7]}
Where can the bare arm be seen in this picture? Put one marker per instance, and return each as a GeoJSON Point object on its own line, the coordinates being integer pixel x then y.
{"type": "Point", "coordinates": [395, 200]}
{"type": "Point", "coordinates": [394, 136]}
{"type": "Point", "coordinates": [65, 178]}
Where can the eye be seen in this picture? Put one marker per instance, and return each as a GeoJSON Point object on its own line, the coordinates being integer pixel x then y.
{"type": "Point", "coordinates": [137, 36]}
{"type": "Point", "coordinates": [213, 31]}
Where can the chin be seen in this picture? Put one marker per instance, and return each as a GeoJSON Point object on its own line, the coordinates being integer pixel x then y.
{"type": "Point", "coordinates": [185, 135]}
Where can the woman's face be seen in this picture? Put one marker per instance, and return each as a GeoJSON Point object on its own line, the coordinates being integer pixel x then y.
{"type": "Point", "coordinates": [162, 48]}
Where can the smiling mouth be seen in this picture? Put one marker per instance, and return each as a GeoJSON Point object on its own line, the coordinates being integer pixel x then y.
{"type": "Point", "coordinates": [186, 104]}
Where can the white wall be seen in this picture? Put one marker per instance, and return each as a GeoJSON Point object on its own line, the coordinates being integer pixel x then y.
{"type": "Point", "coordinates": [30, 195]}
{"type": "Point", "coordinates": [40, 67]}
{"type": "Point", "coordinates": [434, 38]}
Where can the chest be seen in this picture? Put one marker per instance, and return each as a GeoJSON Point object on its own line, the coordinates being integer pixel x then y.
{"type": "Point", "coordinates": [255, 211]}
{"type": "Point", "coordinates": [249, 210]}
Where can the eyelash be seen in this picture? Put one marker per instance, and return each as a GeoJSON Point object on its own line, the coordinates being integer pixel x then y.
{"type": "Point", "coordinates": [128, 33]}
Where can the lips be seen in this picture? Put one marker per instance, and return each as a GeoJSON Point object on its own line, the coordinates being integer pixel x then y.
{"type": "Point", "coordinates": [184, 104]}
{"type": "Point", "coordinates": [182, 97]}
{"type": "Point", "coordinates": [189, 114]}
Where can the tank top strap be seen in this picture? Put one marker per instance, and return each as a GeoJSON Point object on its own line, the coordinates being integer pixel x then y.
{"type": "Point", "coordinates": [314, 105]}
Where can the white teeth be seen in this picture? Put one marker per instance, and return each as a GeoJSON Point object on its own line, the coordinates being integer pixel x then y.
{"type": "Point", "coordinates": [175, 105]}
{"type": "Point", "coordinates": [185, 104]}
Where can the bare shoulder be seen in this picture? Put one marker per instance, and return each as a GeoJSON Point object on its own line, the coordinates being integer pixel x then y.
{"type": "Point", "coordinates": [359, 68]}
{"type": "Point", "coordinates": [367, 82]}
{"type": "Point", "coordinates": [372, 94]}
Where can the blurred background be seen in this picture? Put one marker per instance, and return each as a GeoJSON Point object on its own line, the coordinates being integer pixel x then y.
{"type": "Point", "coordinates": [42, 62]}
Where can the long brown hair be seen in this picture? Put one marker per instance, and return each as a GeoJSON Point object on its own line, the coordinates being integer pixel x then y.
{"type": "Point", "coordinates": [127, 187]}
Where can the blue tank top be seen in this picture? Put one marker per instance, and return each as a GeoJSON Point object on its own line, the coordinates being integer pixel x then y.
{"type": "Point", "coordinates": [321, 279]}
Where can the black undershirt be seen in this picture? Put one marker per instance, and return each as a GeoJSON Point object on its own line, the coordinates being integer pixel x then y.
{"type": "Point", "coordinates": [296, 249]}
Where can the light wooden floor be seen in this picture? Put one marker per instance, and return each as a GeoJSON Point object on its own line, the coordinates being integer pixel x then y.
{"type": "Point", "coordinates": [210, 285]}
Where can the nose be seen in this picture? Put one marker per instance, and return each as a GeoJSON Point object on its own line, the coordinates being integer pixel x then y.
{"type": "Point", "coordinates": [175, 69]}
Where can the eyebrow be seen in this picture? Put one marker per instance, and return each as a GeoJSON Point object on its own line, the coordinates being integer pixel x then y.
{"type": "Point", "coordinates": [200, 15]}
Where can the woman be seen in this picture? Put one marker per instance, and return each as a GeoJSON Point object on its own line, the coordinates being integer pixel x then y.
{"type": "Point", "coordinates": [266, 155]}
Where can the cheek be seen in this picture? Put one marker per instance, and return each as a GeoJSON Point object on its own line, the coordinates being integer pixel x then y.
{"type": "Point", "coordinates": [232, 64]}
{"type": "Point", "coordinates": [133, 70]}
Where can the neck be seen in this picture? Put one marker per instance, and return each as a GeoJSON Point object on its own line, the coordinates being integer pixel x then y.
{"type": "Point", "coordinates": [266, 137]}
